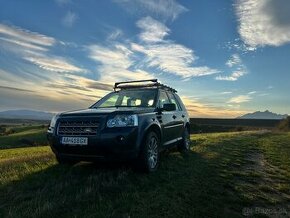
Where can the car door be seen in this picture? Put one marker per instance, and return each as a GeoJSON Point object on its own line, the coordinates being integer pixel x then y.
{"type": "Point", "coordinates": [165, 119]}
{"type": "Point", "coordinates": [178, 118]}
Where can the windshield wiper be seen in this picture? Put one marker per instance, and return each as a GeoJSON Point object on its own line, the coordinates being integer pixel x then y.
{"type": "Point", "coordinates": [117, 106]}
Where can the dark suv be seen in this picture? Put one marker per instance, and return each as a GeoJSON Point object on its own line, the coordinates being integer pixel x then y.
{"type": "Point", "coordinates": [135, 122]}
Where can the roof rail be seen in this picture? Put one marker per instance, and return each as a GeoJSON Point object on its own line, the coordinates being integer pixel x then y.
{"type": "Point", "coordinates": [154, 83]}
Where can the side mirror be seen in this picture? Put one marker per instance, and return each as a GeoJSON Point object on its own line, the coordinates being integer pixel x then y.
{"type": "Point", "coordinates": [169, 107]}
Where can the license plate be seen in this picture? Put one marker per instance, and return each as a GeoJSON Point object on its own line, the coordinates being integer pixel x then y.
{"type": "Point", "coordinates": [74, 140]}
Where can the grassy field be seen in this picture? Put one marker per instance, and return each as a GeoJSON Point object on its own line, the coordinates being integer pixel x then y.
{"type": "Point", "coordinates": [23, 136]}
{"type": "Point", "coordinates": [224, 175]}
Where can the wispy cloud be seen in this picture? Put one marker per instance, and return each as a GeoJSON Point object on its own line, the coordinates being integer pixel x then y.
{"type": "Point", "coordinates": [152, 30]}
{"type": "Point", "coordinates": [166, 55]}
{"type": "Point", "coordinates": [237, 67]}
{"type": "Point", "coordinates": [69, 19]}
{"type": "Point", "coordinates": [166, 9]}
{"type": "Point", "coordinates": [240, 99]}
{"type": "Point", "coordinates": [114, 63]}
{"type": "Point", "coordinates": [263, 22]}
{"type": "Point", "coordinates": [54, 63]}
{"type": "Point", "coordinates": [234, 60]}
{"type": "Point", "coordinates": [233, 77]}
{"type": "Point", "coordinates": [116, 33]}
{"type": "Point", "coordinates": [27, 36]}
{"type": "Point", "coordinates": [35, 48]}
{"type": "Point", "coordinates": [14, 89]}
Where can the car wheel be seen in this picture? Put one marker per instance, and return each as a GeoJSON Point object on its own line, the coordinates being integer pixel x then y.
{"type": "Point", "coordinates": [64, 160]}
{"type": "Point", "coordinates": [149, 157]}
{"type": "Point", "coordinates": [184, 145]}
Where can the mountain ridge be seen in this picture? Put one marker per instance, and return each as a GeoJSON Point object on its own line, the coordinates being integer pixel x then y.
{"type": "Point", "coordinates": [263, 115]}
{"type": "Point", "coordinates": [26, 114]}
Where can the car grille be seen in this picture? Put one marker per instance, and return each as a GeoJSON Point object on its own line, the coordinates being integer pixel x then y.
{"type": "Point", "coordinates": [81, 128]}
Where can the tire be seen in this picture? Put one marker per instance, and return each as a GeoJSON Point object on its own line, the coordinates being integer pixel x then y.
{"type": "Point", "coordinates": [64, 160]}
{"type": "Point", "coordinates": [184, 145]}
{"type": "Point", "coordinates": [149, 156]}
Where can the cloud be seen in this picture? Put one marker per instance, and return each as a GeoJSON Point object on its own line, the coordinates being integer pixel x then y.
{"type": "Point", "coordinates": [115, 34]}
{"type": "Point", "coordinates": [27, 36]}
{"type": "Point", "coordinates": [14, 89]}
{"type": "Point", "coordinates": [263, 22]}
{"type": "Point", "coordinates": [166, 55]}
{"type": "Point", "coordinates": [153, 31]}
{"type": "Point", "coordinates": [237, 67]}
{"type": "Point", "coordinates": [69, 19]}
{"type": "Point", "coordinates": [166, 9]}
{"type": "Point", "coordinates": [35, 48]}
{"type": "Point", "coordinates": [234, 60]}
{"type": "Point", "coordinates": [114, 63]}
{"type": "Point", "coordinates": [54, 63]}
{"type": "Point", "coordinates": [240, 99]}
{"type": "Point", "coordinates": [233, 77]}
{"type": "Point", "coordinates": [226, 93]}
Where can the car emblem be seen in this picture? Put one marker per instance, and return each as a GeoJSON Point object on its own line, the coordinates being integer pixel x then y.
{"type": "Point", "coordinates": [88, 130]}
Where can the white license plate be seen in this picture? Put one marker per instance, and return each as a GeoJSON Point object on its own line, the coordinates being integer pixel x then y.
{"type": "Point", "coordinates": [74, 141]}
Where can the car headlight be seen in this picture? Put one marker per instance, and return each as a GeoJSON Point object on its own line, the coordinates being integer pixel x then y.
{"type": "Point", "coordinates": [52, 124]}
{"type": "Point", "coordinates": [123, 121]}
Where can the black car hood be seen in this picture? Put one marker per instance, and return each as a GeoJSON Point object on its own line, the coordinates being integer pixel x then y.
{"type": "Point", "coordinates": [106, 111]}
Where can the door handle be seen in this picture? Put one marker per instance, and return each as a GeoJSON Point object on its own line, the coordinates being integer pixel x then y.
{"type": "Point", "coordinates": [174, 117]}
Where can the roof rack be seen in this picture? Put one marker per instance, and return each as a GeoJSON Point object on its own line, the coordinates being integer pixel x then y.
{"type": "Point", "coordinates": [154, 83]}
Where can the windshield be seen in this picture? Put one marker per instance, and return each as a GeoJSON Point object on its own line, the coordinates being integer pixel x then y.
{"type": "Point", "coordinates": [128, 98]}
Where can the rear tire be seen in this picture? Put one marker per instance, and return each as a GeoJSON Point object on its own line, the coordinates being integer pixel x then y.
{"type": "Point", "coordinates": [184, 145]}
{"type": "Point", "coordinates": [149, 156]}
{"type": "Point", "coordinates": [65, 160]}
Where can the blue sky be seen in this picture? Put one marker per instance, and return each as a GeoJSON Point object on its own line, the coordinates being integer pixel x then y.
{"type": "Point", "coordinates": [225, 58]}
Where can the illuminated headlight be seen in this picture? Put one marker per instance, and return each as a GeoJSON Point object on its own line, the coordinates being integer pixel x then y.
{"type": "Point", "coordinates": [52, 124]}
{"type": "Point", "coordinates": [123, 121]}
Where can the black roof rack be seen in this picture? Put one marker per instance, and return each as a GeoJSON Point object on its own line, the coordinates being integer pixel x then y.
{"type": "Point", "coordinates": [154, 83]}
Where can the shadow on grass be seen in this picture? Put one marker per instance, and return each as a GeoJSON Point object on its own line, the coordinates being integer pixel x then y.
{"type": "Point", "coordinates": [185, 185]}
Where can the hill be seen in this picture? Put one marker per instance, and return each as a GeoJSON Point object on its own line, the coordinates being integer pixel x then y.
{"type": "Point", "coordinates": [26, 114]}
{"type": "Point", "coordinates": [263, 115]}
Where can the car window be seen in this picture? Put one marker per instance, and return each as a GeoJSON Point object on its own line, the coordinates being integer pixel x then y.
{"type": "Point", "coordinates": [163, 99]}
{"type": "Point", "coordinates": [173, 100]}
{"type": "Point", "coordinates": [180, 102]}
{"type": "Point", "coordinates": [128, 98]}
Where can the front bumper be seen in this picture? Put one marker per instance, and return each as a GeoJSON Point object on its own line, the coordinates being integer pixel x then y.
{"type": "Point", "coordinates": [108, 144]}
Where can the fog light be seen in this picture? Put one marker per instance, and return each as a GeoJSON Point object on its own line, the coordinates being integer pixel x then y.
{"type": "Point", "coordinates": [121, 138]}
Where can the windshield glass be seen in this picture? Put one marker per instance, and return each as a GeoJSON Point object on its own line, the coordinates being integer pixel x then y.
{"type": "Point", "coordinates": [128, 98]}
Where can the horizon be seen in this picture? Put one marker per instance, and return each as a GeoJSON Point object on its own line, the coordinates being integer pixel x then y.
{"type": "Point", "coordinates": [224, 63]}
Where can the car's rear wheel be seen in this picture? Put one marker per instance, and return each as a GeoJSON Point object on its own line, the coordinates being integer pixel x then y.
{"type": "Point", "coordinates": [149, 156]}
{"type": "Point", "coordinates": [65, 160]}
{"type": "Point", "coordinates": [184, 144]}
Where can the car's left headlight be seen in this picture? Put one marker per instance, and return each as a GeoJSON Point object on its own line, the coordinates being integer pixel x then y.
{"type": "Point", "coordinates": [52, 123]}
{"type": "Point", "coordinates": [123, 121]}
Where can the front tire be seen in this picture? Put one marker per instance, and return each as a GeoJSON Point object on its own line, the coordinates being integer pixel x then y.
{"type": "Point", "coordinates": [149, 156]}
{"type": "Point", "coordinates": [184, 145]}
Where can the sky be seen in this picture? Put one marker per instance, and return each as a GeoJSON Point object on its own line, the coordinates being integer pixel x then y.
{"type": "Point", "coordinates": [226, 58]}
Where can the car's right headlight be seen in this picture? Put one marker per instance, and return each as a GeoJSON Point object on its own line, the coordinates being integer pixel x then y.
{"type": "Point", "coordinates": [52, 124]}
{"type": "Point", "coordinates": [123, 121]}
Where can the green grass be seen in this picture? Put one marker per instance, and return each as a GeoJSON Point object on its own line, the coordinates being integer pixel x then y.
{"type": "Point", "coordinates": [24, 136]}
{"type": "Point", "coordinates": [223, 174]}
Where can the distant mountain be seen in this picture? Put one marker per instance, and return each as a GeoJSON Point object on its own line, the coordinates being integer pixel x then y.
{"type": "Point", "coordinates": [263, 115]}
{"type": "Point", "coordinates": [26, 114]}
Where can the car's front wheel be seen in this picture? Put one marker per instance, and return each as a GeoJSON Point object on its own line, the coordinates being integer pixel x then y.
{"type": "Point", "coordinates": [184, 144]}
{"type": "Point", "coordinates": [149, 156]}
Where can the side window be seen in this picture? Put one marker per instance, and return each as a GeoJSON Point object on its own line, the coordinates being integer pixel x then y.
{"type": "Point", "coordinates": [174, 101]}
{"type": "Point", "coordinates": [180, 102]}
{"type": "Point", "coordinates": [163, 99]}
